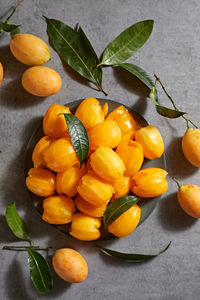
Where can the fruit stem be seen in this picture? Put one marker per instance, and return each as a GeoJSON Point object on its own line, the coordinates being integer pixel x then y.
{"type": "Point", "coordinates": [13, 11]}
{"type": "Point", "coordinates": [27, 247]}
{"type": "Point", "coordinates": [174, 104]}
{"type": "Point", "coordinates": [175, 180]}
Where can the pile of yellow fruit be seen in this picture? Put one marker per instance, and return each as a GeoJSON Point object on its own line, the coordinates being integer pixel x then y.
{"type": "Point", "coordinates": [81, 194]}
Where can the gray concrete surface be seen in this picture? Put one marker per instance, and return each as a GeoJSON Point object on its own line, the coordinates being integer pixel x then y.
{"type": "Point", "coordinates": [173, 52]}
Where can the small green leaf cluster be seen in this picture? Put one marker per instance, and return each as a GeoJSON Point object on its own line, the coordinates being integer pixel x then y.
{"type": "Point", "coordinates": [39, 269]}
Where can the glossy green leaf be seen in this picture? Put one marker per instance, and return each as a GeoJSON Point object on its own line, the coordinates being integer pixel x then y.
{"type": "Point", "coordinates": [74, 50]}
{"type": "Point", "coordinates": [39, 271]}
{"type": "Point", "coordinates": [131, 257]}
{"type": "Point", "coordinates": [139, 73]}
{"type": "Point", "coordinates": [8, 27]}
{"type": "Point", "coordinates": [88, 43]}
{"type": "Point", "coordinates": [168, 112]}
{"type": "Point", "coordinates": [118, 207]}
{"type": "Point", "coordinates": [127, 43]}
{"type": "Point", "coordinates": [79, 136]}
{"type": "Point", "coordinates": [16, 224]}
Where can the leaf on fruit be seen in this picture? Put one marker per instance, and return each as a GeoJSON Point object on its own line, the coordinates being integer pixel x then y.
{"type": "Point", "coordinates": [139, 73]}
{"type": "Point", "coordinates": [131, 257]}
{"type": "Point", "coordinates": [39, 271]}
{"type": "Point", "coordinates": [79, 136]}
{"type": "Point", "coordinates": [168, 112]}
{"type": "Point", "coordinates": [16, 224]}
{"type": "Point", "coordinates": [8, 27]}
{"type": "Point", "coordinates": [118, 207]}
{"type": "Point", "coordinates": [127, 43]}
{"type": "Point", "coordinates": [75, 49]}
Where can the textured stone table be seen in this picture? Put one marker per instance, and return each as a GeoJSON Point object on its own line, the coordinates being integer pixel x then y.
{"type": "Point", "coordinates": [173, 52]}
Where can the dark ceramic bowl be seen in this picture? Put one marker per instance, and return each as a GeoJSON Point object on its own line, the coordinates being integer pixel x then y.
{"type": "Point", "coordinates": [146, 205]}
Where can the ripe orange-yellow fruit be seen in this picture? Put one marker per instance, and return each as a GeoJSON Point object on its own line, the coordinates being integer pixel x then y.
{"type": "Point", "coordinates": [90, 112]}
{"type": "Point", "coordinates": [70, 265]}
{"type": "Point", "coordinates": [88, 208]}
{"type": "Point", "coordinates": [151, 141]}
{"type": "Point", "coordinates": [191, 146]}
{"type": "Point", "coordinates": [41, 182]}
{"type": "Point", "coordinates": [125, 121]}
{"type": "Point", "coordinates": [126, 223]}
{"type": "Point", "coordinates": [54, 124]}
{"type": "Point", "coordinates": [189, 199]}
{"type": "Point", "coordinates": [122, 187]}
{"type": "Point", "coordinates": [107, 164]}
{"type": "Point", "coordinates": [150, 182]}
{"type": "Point", "coordinates": [106, 133]}
{"type": "Point", "coordinates": [58, 209]}
{"type": "Point", "coordinates": [84, 227]}
{"type": "Point", "coordinates": [94, 189]}
{"type": "Point", "coordinates": [41, 81]}
{"type": "Point", "coordinates": [67, 181]}
{"type": "Point", "coordinates": [131, 154]}
{"type": "Point", "coordinates": [29, 49]}
{"type": "Point", "coordinates": [60, 155]}
{"type": "Point", "coordinates": [37, 156]}
{"type": "Point", "coordinates": [1, 73]}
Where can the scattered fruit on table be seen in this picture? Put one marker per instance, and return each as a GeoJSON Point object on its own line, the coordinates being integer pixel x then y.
{"type": "Point", "coordinates": [1, 72]}
{"type": "Point", "coordinates": [70, 265]}
{"type": "Point", "coordinates": [81, 193]}
{"type": "Point", "coordinates": [191, 146]}
{"type": "Point", "coordinates": [41, 81]}
{"type": "Point", "coordinates": [29, 49]}
{"type": "Point", "coordinates": [189, 198]}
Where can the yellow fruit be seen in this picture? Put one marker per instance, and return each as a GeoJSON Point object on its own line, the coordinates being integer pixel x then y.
{"type": "Point", "coordinates": [58, 209]}
{"type": "Point", "coordinates": [106, 133]}
{"type": "Point", "coordinates": [29, 49]}
{"type": "Point", "coordinates": [126, 223]}
{"type": "Point", "coordinates": [60, 155]}
{"type": "Point", "coordinates": [125, 121]}
{"type": "Point", "coordinates": [191, 146]}
{"type": "Point", "coordinates": [151, 141]}
{"type": "Point", "coordinates": [122, 186]}
{"type": "Point", "coordinates": [131, 154]}
{"type": "Point", "coordinates": [88, 208]}
{"type": "Point", "coordinates": [84, 227]}
{"type": "Point", "coordinates": [41, 182]}
{"type": "Point", "coordinates": [41, 81]}
{"type": "Point", "coordinates": [67, 181]}
{"type": "Point", "coordinates": [54, 124]}
{"type": "Point", "coordinates": [94, 189]}
{"type": "Point", "coordinates": [90, 113]}
{"type": "Point", "coordinates": [1, 73]}
{"type": "Point", "coordinates": [70, 265]}
{"type": "Point", "coordinates": [37, 156]}
{"type": "Point", "coordinates": [107, 164]}
{"type": "Point", "coordinates": [150, 182]}
{"type": "Point", "coordinates": [189, 199]}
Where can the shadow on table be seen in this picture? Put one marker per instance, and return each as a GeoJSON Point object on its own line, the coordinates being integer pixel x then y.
{"type": "Point", "coordinates": [172, 217]}
{"type": "Point", "coordinates": [133, 85]}
{"type": "Point", "coordinates": [177, 164]}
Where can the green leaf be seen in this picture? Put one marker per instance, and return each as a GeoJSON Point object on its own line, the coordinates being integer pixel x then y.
{"type": "Point", "coordinates": [16, 224]}
{"type": "Point", "coordinates": [79, 136]}
{"type": "Point", "coordinates": [139, 73]}
{"type": "Point", "coordinates": [14, 32]}
{"type": "Point", "coordinates": [39, 271]}
{"type": "Point", "coordinates": [131, 257]}
{"type": "Point", "coordinates": [87, 42]}
{"type": "Point", "coordinates": [153, 95]}
{"type": "Point", "coordinates": [8, 27]}
{"type": "Point", "coordinates": [74, 50]}
{"type": "Point", "coordinates": [127, 43]}
{"type": "Point", "coordinates": [168, 112]}
{"type": "Point", "coordinates": [118, 207]}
